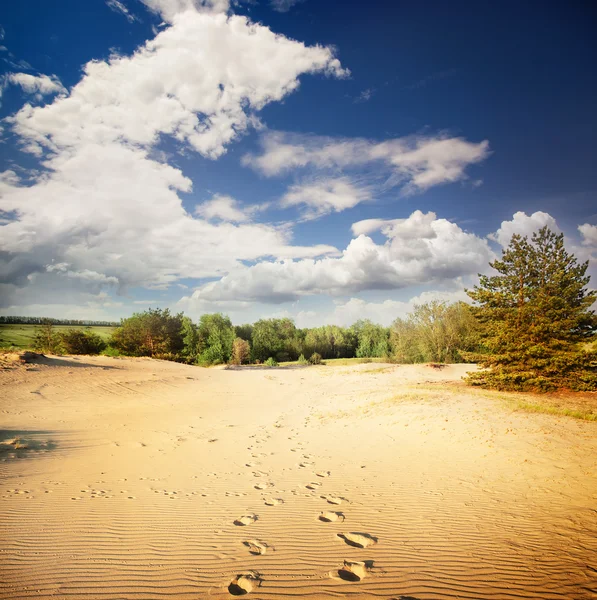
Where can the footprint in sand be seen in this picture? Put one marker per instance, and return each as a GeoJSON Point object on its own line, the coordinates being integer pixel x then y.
{"type": "Point", "coordinates": [256, 546]}
{"type": "Point", "coordinates": [273, 501]}
{"type": "Point", "coordinates": [323, 474]}
{"type": "Point", "coordinates": [313, 485]}
{"type": "Point", "coordinates": [245, 520]}
{"type": "Point", "coordinates": [334, 499]}
{"type": "Point", "coordinates": [358, 540]}
{"type": "Point", "coordinates": [329, 516]}
{"type": "Point", "coordinates": [244, 583]}
{"type": "Point", "coordinates": [305, 464]}
{"type": "Point", "coordinates": [263, 486]}
{"type": "Point", "coordinates": [259, 474]}
{"type": "Point", "coordinates": [355, 571]}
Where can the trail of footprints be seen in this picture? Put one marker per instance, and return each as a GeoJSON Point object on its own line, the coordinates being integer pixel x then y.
{"type": "Point", "coordinates": [351, 571]}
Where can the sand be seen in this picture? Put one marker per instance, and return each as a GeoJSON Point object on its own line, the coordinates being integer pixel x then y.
{"type": "Point", "coordinates": [139, 479]}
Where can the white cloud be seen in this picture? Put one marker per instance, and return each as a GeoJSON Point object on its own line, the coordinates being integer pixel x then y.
{"type": "Point", "coordinates": [364, 96]}
{"type": "Point", "coordinates": [367, 226]}
{"type": "Point", "coordinates": [523, 224]}
{"type": "Point", "coordinates": [200, 81]}
{"type": "Point", "coordinates": [169, 9]}
{"type": "Point", "coordinates": [224, 208]}
{"type": "Point", "coordinates": [419, 250]}
{"type": "Point", "coordinates": [588, 234]}
{"type": "Point", "coordinates": [325, 196]}
{"type": "Point", "coordinates": [40, 85]}
{"type": "Point", "coordinates": [283, 5]}
{"type": "Point", "coordinates": [386, 312]}
{"type": "Point", "coordinates": [103, 204]}
{"type": "Point", "coordinates": [121, 8]}
{"type": "Point", "coordinates": [415, 163]}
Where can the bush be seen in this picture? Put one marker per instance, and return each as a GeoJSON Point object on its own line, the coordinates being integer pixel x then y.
{"type": "Point", "coordinates": [110, 351]}
{"type": "Point", "coordinates": [302, 360]}
{"type": "Point", "coordinates": [77, 341]}
{"type": "Point", "coordinates": [47, 339]}
{"type": "Point", "coordinates": [241, 351]}
{"type": "Point", "coordinates": [315, 359]}
{"type": "Point", "coordinates": [271, 362]}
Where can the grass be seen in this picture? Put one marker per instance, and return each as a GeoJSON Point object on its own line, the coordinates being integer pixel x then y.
{"type": "Point", "coordinates": [21, 336]}
{"type": "Point", "coordinates": [341, 362]}
{"type": "Point", "coordinates": [578, 405]}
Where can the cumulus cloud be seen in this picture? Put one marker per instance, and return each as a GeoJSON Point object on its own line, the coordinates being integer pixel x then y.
{"type": "Point", "coordinates": [419, 250]}
{"type": "Point", "coordinates": [523, 224]}
{"type": "Point", "coordinates": [121, 8]}
{"type": "Point", "coordinates": [104, 204]}
{"type": "Point", "coordinates": [39, 85]}
{"type": "Point", "coordinates": [200, 81]}
{"type": "Point", "coordinates": [415, 163]}
{"type": "Point", "coordinates": [588, 234]}
{"type": "Point", "coordinates": [225, 208]}
{"type": "Point", "coordinates": [325, 196]}
{"type": "Point", "coordinates": [169, 9]}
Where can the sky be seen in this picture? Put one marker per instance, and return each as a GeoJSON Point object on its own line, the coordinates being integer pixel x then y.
{"type": "Point", "coordinates": [320, 160]}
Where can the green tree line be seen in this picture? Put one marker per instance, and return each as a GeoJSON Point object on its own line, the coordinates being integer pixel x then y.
{"type": "Point", "coordinates": [530, 326]}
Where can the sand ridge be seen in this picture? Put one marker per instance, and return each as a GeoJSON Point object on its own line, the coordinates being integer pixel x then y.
{"type": "Point", "coordinates": [151, 479]}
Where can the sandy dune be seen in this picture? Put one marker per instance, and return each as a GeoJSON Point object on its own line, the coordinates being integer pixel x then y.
{"type": "Point", "coordinates": [143, 479]}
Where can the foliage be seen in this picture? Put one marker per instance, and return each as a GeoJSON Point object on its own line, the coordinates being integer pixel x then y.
{"type": "Point", "coordinates": [330, 341]}
{"type": "Point", "coordinates": [22, 335]}
{"type": "Point", "coordinates": [302, 360]}
{"type": "Point", "coordinates": [536, 318]}
{"type": "Point", "coordinates": [373, 340]}
{"type": "Point", "coordinates": [315, 358]}
{"type": "Point", "coordinates": [435, 332]}
{"type": "Point", "coordinates": [190, 340]}
{"type": "Point", "coordinates": [110, 351]}
{"type": "Point", "coordinates": [271, 362]}
{"type": "Point", "coordinates": [215, 336]}
{"type": "Point", "coordinates": [276, 337]}
{"type": "Point", "coordinates": [47, 339]}
{"type": "Point", "coordinates": [241, 352]}
{"type": "Point", "coordinates": [149, 333]}
{"type": "Point", "coordinates": [77, 341]}
{"type": "Point", "coordinates": [244, 332]}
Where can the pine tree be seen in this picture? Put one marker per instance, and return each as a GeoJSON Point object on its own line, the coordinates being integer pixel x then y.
{"type": "Point", "coordinates": [537, 318]}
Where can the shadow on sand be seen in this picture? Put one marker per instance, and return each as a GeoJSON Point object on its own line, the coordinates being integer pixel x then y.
{"type": "Point", "coordinates": [49, 361]}
{"type": "Point", "coordinates": [15, 443]}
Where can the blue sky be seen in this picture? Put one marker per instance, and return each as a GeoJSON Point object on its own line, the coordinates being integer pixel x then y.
{"type": "Point", "coordinates": [325, 161]}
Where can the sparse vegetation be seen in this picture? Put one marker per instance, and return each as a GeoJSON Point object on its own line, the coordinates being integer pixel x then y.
{"type": "Point", "coordinates": [271, 362]}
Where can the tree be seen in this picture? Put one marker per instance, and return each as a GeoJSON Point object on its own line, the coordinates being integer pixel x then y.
{"type": "Point", "coordinates": [77, 341]}
{"type": "Point", "coordinates": [215, 337]}
{"type": "Point", "coordinates": [46, 338]}
{"type": "Point", "coordinates": [154, 332]}
{"type": "Point", "coordinates": [276, 337]}
{"type": "Point", "coordinates": [372, 339]}
{"type": "Point", "coordinates": [190, 339]}
{"type": "Point", "coordinates": [536, 315]}
{"type": "Point", "coordinates": [435, 332]}
{"type": "Point", "coordinates": [241, 352]}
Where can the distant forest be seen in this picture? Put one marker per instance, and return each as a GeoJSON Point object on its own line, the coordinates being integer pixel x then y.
{"type": "Point", "coordinates": [41, 320]}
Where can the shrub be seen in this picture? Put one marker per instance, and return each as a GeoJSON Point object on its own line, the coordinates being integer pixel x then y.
{"type": "Point", "coordinates": [110, 351]}
{"type": "Point", "coordinates": [315, 359]}
{"type": "Point", "coordinates": [241, 351]}
{"type": "Point", "coordinates": [77, 341]}
{"type": "Point", "coordinates": [47, 339]}
{"type": "Point", "coordinates": [302, 360]}
{"type": "Point", "coordinates": [271, 362]}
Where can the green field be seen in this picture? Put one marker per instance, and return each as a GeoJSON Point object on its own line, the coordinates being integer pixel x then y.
{"type": "Point", "coordinates": [21, 336]}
